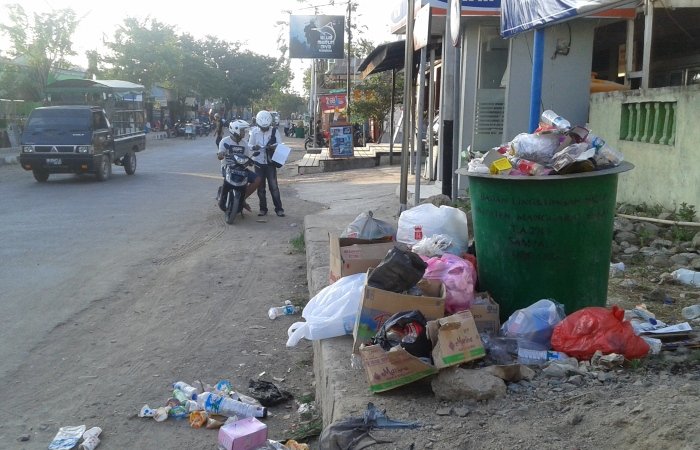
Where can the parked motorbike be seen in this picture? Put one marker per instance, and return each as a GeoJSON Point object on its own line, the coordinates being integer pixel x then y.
{"type": "Point", "coordinates": [236, 175]}
{"type": "Point", "coordinates": [290, 131]}
{"type": "Point", "coordinates": [321, 141]}
{"type": "Point", "coordinates": [203, 129]}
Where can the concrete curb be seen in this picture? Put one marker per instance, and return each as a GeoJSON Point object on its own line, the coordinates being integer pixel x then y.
{"type": "Point", "coordinates": [341, 390]}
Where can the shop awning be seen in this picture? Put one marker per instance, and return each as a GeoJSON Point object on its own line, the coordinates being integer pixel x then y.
{"type": "Point", "coordinates": [389, 56]}
{"type": "Point", "coordinates": [383, 57]}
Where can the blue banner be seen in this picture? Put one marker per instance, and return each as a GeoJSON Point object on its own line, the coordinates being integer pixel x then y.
{"type": "Point", "coordinates": [518, 16]}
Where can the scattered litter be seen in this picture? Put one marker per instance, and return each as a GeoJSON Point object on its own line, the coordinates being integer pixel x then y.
{"type": "Point", "coordinates": [354, 432]}
{"type": "Point", "coordinates": [67, 437]}
{"type": "Point", "coordinates": [91, 439]}
{"type": "Point", "coordinates": [268, 394]}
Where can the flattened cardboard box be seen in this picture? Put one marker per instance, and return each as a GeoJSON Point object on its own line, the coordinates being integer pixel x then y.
{"type": "Point", "coordinates": [349, 256]}
{"type": "Point", "coordinates": [455, 341]}
{"type": "Point", "coordinates": [485, 311]}
{"type": "Point", "coordinates": [378, 305]}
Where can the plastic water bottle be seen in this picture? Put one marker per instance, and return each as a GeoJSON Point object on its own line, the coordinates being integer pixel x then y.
{"type": "Point", "coordinates": [217, 404]}
{"type": "Point", "coordinates": [687, 276]}
{"type": "Point", "coordinates": [189, 391]}
{"type": "Point", "coordinates": [691, 312]}
{"type": "Point", "coordinates": [549, 117]}
{"type": "Point", "coordinates": [287, 310]}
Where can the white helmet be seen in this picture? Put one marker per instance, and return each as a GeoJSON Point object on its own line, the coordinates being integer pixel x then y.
{"type": "Point", "coordinates": [237, 128]}
{"type": "Point", "coordinates": [263, 119]}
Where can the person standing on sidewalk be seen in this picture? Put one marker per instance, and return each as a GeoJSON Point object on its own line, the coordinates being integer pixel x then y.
{"type": "Point", "coordinates": [218, 129]}
{"type": "Point", "coordinates": [261, 138]}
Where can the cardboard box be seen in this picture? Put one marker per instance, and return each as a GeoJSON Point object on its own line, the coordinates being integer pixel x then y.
{"type": "Point", "coordinates": [244, 434]}
{"type": "Point", "coordinates": [455, 341]}
{"type": "Point", "coordinates": [349, 256]}
{"type": "Point", "coordinates": [485, 311]}
{"type": "Point", "coordinates": [378, 305]}
{"type": "Point", "coordinates": [389, 370]}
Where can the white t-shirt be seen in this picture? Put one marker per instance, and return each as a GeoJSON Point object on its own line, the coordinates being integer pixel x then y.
{"type": "Point", "coordinates": [258, 137]}
{"type": "Point", "coordinates": [241, 147]}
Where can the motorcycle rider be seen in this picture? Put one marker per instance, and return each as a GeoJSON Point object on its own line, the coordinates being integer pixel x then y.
{"type": "Point", "coordinates": [237, 129]}
{"type": "Point", "coordinates": [262, 136]}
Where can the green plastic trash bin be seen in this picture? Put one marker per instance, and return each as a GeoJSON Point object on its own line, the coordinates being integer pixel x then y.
{"type": "Point", "coordinates": [544, 237]}
{"type": "Point", "coordinates": [299, 132]}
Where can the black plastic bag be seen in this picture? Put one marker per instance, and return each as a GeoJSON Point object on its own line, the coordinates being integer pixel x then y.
{"type": "Point", "coordinates": [399, 271]}
{"type": "Point", "coordinates": [408, 330]}
{"type": "Point", "coordinates": [268, 394]}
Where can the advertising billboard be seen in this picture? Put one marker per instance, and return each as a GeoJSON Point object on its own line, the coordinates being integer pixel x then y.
{"type": "Point", "coordinates": [318, 37]}
{"type": "Point", "coordinates": [518, 16]}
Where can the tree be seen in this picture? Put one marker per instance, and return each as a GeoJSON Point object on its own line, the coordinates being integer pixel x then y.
{"type": "Point", "coordinates": [372, 99]}
{"type": "Point", "coordinates": [144, 52]}
{"type": "Point", "coordinates": [44, 41]}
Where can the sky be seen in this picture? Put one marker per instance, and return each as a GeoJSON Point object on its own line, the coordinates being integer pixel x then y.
{"type": "Point", "coordinates": [233, 21]}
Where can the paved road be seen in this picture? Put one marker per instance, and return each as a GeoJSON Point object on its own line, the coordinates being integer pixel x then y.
{"type": "Point", "coordinates": [63, 233]}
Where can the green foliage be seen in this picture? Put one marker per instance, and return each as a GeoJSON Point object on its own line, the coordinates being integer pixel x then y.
{"type": "Point", "coordinates": [298, 244]}
{"type": "Point", "coordinates": [372, 99]}
{"type": "Point", "coordinates": [645, 236]}
{"type": "Point", "coordinates": [650, 210]}
{"type": "Point", "coordinates": [43, 41]}
{"type": "Point", "coordinates": [686, 212]}
{"type": "Point", "coordinates": [150, 52]}
{"type": "Point", "coordinates": [682, 234]}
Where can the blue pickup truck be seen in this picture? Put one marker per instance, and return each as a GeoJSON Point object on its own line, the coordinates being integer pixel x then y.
{"type": "Point", "coordinates": [81, 139]}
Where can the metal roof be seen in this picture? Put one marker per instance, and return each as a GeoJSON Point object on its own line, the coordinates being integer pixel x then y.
{"type": "Point", "coordinates": [117, 85]}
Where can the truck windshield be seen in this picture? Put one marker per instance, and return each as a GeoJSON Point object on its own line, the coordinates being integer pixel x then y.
{"type": "Point", "coordinates": [58, 119]}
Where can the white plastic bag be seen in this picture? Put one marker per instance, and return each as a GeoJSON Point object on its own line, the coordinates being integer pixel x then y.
{"type": "Point", "coordinates": [365, 226]}
{"type": "Point", "coordinates": [427, 220]}
{"type": "Point", "coordinates": [331, 312]}
{"type": "Point", "coordinates": [535, 147]}
{"type": "Point", "coordinates": [67, 437]}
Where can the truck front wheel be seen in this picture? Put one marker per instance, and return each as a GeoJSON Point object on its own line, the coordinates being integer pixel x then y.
{"type": "Point", "coordinates": [104, 168]}
{"type": "Point", "coordinates": [41, 176]}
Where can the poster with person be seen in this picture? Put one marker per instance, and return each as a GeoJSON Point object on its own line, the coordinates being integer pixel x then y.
{"type": "Point", "coordinates": [319, 37]}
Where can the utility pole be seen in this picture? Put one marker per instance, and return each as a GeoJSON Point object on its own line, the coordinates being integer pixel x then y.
{"type": "Point", "coordinates": [347, 100]}
{"type": "Point", "coordinates": [407, 102]}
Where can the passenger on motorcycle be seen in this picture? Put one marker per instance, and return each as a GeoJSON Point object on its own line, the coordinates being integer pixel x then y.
{"type": "Point", "coordinates": [237, 129]}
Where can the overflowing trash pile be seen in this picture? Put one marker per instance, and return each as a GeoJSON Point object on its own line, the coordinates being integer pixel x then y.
{"type": "Point", "coordinates": [555, 148]}
{"type": "Point", "coordinates": [418, 310]}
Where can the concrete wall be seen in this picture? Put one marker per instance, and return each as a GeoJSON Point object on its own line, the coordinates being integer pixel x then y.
{"type": "Point", "coordinates": [664, 174]}
{"type": "Point", "coordinates": [566, 79]}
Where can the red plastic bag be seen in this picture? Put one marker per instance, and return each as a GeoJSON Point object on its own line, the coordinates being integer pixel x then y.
{"type": "Point", "coordinates": [594, 328]}
{"type": "Point", "coordinates": [458, 275]}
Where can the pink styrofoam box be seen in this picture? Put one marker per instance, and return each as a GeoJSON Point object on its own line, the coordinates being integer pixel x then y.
{"type": "Point", "coordinates": [244, 434]}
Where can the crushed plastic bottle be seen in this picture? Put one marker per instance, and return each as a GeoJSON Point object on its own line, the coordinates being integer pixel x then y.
{"type": "Point", "coordinates": [189, 391]}
{"type": "Point", "coordinates": [549, 117]}
{"type": "Point", "coordinates": [691, 312]}
{"type": "Point", "coordinates": [287, 310]}
{"type": "Point", "coordinates": [687, 276]}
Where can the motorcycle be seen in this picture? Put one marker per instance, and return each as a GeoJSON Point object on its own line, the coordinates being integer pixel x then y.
{"type": "Point", "coordinates": [321, 141]}
{"type": "Point", "coordinates": [236, 175]}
